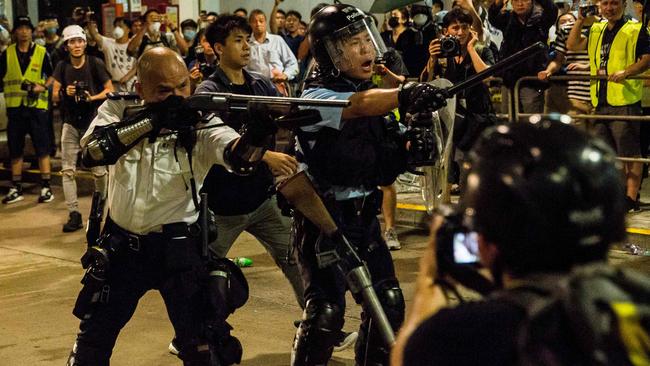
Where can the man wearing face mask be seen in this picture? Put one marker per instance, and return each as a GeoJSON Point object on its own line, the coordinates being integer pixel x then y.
{"type": "Point", "coordinates": [52, 38]}
{"type": "Point", "coordinates": [189, 27]}
{"type": "Point", "coordinates": [118, 63]}
{"type": "Point", "coordinates": [151, 35]}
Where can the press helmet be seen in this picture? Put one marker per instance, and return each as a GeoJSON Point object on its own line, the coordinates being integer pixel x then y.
{"type": "Point", "coordinates": [548, 195]}
{"type": "Point", "coordinates": [334, 24]}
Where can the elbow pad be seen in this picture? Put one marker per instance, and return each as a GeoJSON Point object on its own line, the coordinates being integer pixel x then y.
{"type": "Point", "coordinates": [109, 143]}
{"type": "Point", "coordinates": [244, 157]}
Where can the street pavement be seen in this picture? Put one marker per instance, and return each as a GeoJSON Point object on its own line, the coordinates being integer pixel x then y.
{"type": "Point", "coordinates": [39, 282]}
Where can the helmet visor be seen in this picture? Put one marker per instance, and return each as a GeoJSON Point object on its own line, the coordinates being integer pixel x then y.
{"type": "Point", "coordinates": [358, 38]}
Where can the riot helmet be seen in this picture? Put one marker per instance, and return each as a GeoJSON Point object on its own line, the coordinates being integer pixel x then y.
{"type": "Point", "coordinates": [332, 31]}
{"type": "Point", "coordinates": [547, 195]}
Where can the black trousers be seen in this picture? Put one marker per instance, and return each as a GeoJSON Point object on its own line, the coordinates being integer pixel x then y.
{"type": "Point", "coordinates": [357, 219]}
{"type": "Point", "coordinates": [169, 263]}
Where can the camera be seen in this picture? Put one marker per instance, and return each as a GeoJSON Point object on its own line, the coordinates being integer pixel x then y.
{"type": "Point", "coordinates": [81, 87]}
{"type": "Point", "coordinates": [588, 10]}
{"type": "Point", "coordinates": [457, 244]}
{"type": "Point", "coordinates": [449, 46]}
{"type": "Point", "coordinates": [457, 252]}
{"type": "Point", "coordinates": [205, 68]}
{"type": "Point", "coordinates": [28, 86]}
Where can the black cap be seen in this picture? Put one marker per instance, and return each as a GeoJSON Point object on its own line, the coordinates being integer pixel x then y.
{"type": "Point", "coordinates": [23, 20]}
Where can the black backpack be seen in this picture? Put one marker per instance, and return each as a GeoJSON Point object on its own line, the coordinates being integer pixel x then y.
{"type": "Point", "coordinates": [597, 315]}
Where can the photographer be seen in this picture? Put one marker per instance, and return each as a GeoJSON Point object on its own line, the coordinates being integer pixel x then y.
{"type": "Point", "coordinates": [456, 56]}
{"type": "Point", "coordinates": [618, 48]}
{"type": "Point", "coordinates": [528, 22]}
{"type": "Point", "coordinates": [26, 74]}
{"type": "Point", "coordinates": [534, 226]}
{"type": "Point", "coordinates": [81, 83]}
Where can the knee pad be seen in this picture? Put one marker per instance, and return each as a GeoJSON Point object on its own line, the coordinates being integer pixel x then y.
{"type": "Point", "coordinates": [194, 354]}
{"type": "Point", "coordinates": [392, 301]}
{"type": "Point", "coordinates": [317, 334]}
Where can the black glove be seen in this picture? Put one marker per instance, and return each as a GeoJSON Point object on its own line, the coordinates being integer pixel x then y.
{"type": "Point", "coordinates": [419, 97]}
{"type": "Point", "coordinates": [260, 126]}
{"type": "Point", "coordinates": [173, 113]}
{"type": "Point", "coordinates": [423, 143]}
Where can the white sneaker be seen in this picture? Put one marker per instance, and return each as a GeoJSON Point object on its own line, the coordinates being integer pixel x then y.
{"type": "Point", "coordinates": [348, 340]}
{"type": "Point", "coordinates": [13, 196]}
{"type": "Point", "coordinates": [46, 195]}
{"type": "Point", "coordinates": [391, 239]}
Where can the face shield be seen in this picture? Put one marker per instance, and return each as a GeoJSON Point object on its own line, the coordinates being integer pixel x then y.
{"type": "Point", "coordinates": [357, 40]}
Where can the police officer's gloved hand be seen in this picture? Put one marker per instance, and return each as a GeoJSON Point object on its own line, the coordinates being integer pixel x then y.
{"type": "Point", "coordinates": [418, 97]}
{"type": "Point", "coordinates": [423, 144]}
{"type": "Point", "coordinates": [173, 114]}
{"type": "Point", "coordinates": [260, 125]}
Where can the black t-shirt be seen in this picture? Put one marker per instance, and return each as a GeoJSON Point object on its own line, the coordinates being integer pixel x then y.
{"type": "Point", "coordinates": [410, 44]}
{"type": "Point", "coordinates": [475, 333]}
{"type": "Point", "coordinates": [231, 194]}
{"type": "Point", "coordinates": [24, 59]}
{"type": "Point", "coordinates": [293, 42]}
{"type": "Point", "coordinates": [477, 97]}
{"type": "Point", "coordinates": [93, 74]}
{"type": "Point", "coordinates": [642, 48]}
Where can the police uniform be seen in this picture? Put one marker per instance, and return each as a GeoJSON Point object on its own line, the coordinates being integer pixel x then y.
{"type": "Point", "coordinates": [151, 237]}
{"type": "Point", "coordinates": [346, 159]}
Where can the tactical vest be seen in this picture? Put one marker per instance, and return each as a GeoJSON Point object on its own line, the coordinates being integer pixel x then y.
{"type": "Point", "coordinates": [621, 55]}
{"type": "Point", "coordinates": [14, 78]}
{"type": "Point", "coordinates": [366, 151]}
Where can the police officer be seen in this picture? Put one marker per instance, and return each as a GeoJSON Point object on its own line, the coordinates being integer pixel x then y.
{"type": "Point", "coordinates": [348, 155]}
{"type": "Point", "coordinates": [150, 239]}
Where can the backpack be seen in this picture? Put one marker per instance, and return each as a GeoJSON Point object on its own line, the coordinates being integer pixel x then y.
{"type": "Point", "coordinates": [596, 315]}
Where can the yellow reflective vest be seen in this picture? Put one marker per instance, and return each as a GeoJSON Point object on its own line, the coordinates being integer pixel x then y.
{"type": "Point", "coordinates": [14, 78]}
{"type": "Point", "coordinates": [621, 55]}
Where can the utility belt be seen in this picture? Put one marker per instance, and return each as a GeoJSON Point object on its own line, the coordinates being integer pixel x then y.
{"type": "Point", "coordinates": [142, 242]}
{"type": "Point", "coordinates": [359, 207]}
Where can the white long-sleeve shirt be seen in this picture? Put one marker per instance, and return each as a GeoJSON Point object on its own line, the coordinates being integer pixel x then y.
{"type": "Point", "coordinates": [272, 53]}
{"type": "Point", "coordinates": [149, 185]}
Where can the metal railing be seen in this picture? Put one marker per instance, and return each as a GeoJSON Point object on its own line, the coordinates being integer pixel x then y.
{"type": "Point", "coordinates": [517, 115]}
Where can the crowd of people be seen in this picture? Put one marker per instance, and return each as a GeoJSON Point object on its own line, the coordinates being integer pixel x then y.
{"type": "Point", "coordinates": [151, 178]}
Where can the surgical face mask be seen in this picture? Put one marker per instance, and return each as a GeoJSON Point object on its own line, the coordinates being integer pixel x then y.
{"type": "Point", "coordinates": [155, 27]}
{"type": "Point", "coordinates": [189, 34]}
{"type": "Point", "coordinates": [393, 22]}
{"type": "Point", "coordinates": [118, 32]}
{"type": "Point", "coordinates": [51, 30]}
{"type": "Point", "coordinates": [420, 20]}
{"type": "Point", "coordinates": [40, 41]}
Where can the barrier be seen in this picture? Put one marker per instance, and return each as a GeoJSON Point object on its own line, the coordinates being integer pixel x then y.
{"type": "Point", "coordinates": [517, 115]}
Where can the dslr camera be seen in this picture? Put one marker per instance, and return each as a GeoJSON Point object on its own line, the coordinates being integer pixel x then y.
{"type": "Point", "coordinates": [449, 46]}
{"type": "Point", "coordinates": [28, 86]}
{"type": "Point", "coordinates": [205, 68]}
{"type": "Point", "coordinates": [457, 251]}
{"type": "Point", "coordinates": [588, 10]}
{"type": "Point", "coordinates": [81, 87]}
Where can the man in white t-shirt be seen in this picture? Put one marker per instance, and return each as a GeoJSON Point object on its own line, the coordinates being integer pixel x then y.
{"type": "Point", "coordinates": [118, 63]}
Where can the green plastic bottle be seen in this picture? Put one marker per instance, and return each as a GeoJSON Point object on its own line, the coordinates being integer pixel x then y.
{"type": "Point", "coordinates": [242, 261]}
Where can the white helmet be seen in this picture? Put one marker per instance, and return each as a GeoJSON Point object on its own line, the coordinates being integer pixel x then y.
{"type": "Point", "coordinates": [73, 31]}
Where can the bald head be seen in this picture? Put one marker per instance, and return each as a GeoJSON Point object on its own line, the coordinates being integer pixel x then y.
{"type": "Point", "coordinates": [161, 73]}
